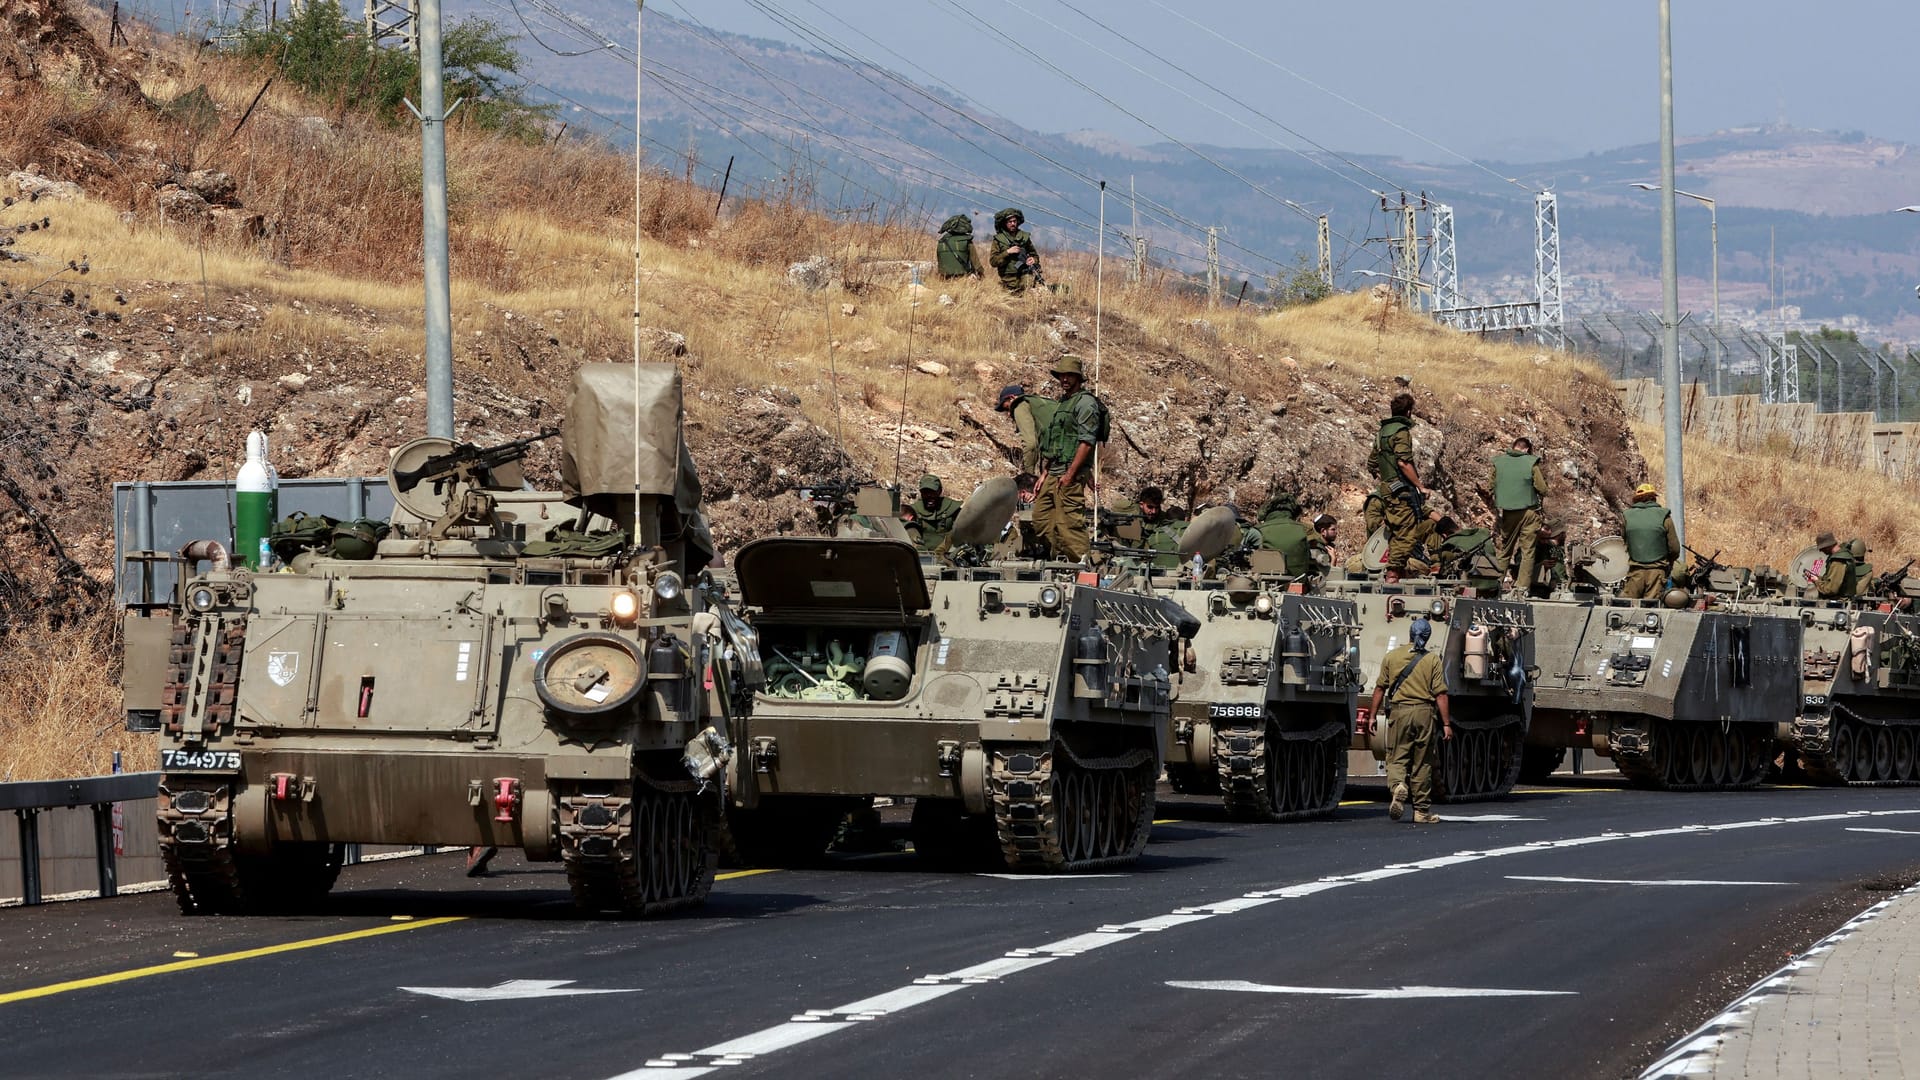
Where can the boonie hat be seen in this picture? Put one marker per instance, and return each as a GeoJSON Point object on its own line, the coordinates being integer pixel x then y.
{"type": "Point", "coordinates": [1824, 540]}
{"type": "Point", "coordinates": [1068, 364]}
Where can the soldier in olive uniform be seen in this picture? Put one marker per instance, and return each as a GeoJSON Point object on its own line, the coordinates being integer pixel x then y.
{"type": "Point", "coordinates": [1079, 424]}
{"type": "Point", "coordinates": [1013, 254]}
{"type": "Point", "coordinates": [1549, 559]}
{"type": "Point", "coordinates": [1841, 576]}
{"type": "Point", "coordinates": [1030, 413]}
{"type": "Point", "coordinates": [1401, 495]}
{"type": "Point", "coordinates": [1518, 486]}
{"type": "Point", "coordinates": [1413, 686]}
{"type": "Point", "coordinates": [930, 517]}
{"type": "Point", "coordinates": [1652, 545]}
{"type": "Point", "coordinates": [1280, 529]}
{"type": "Point", "coordinates": [1468, 553]}
{"type": "Point", "coordinates": [954, 253]}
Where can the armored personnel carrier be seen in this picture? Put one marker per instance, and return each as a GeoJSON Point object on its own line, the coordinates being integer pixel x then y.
{"type": "Point", "coordinates": [1689, 698]}
{"type": "Point", "coordinates": [506, 667]}
{"type": "Point", "coordinates": [1489, 657]}
{"type": "Point", "coordinates": [1019, 707]}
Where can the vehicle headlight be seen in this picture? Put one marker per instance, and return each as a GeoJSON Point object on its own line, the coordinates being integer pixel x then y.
{"type": "Point", "coordinates": [201, 599]}
{"type": "Point", "coordinates": [1653, 621]}
{"type": "Point", "coordinates": [1263, 604]}
{"type": "Point", "coordinates": [625, 607]}
{"type": "Point", "coordinates": [1439, 608]}
{"type": "Point", "coordinates": [667, 586]}
{"type": "Point", "coordinates": [1050, 599]}
{"type": "Point", "coordinates": [1839, 620]}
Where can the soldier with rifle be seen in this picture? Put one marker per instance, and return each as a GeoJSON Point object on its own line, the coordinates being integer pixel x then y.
{"type": "Point", "coordinates": [1402, 497]}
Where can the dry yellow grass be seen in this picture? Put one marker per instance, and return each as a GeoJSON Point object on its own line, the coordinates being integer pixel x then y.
{"type": "Point", "coordinates": [62, 717]}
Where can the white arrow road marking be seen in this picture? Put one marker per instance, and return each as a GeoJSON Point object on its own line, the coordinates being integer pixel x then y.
{"type": "Point", "coordinates": [1391, 993]}
{"type": "Point", "coordinates": [814, 1023]}
{"type": "Point", "coordinates": [1631, 881]}
{"type": "Point", "coordinates": [1444, 818]}
{"type": "Point", "coordinates": [511, 990]}
{"type": "Point", "coordinates": [1896, 832]}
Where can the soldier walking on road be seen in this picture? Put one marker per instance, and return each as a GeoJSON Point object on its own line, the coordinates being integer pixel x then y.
{"type": "Point", "coordinates": [1652, 545]}
{"type": "Point", "coordinates": [1401, 496]}
{"type": "Point", "coordinates": [954, 253]}
{"type": "Point", "coordinates": [1518, 487]}
{"type": "Point", "coordinates": [1013, 254]}
{"type": "Point", "coordinates": [1078, 424]}
{"type": "Point", "coordinates": [1840, 578]}
{"type": "Point", "coordinates": [1413, 686]}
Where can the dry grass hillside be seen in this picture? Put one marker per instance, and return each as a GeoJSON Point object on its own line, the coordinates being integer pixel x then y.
{"type": "Point", "coordinates": [290, 302]}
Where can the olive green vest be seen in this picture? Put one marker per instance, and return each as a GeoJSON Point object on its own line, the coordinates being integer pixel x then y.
{"type": "Point", "coordinates": [1058, 440]}
{"type": "Point", "coordinates": [1385, 465]}
{"type": "Point", "coordinates": [1646, 532]}
{"type": "Point", "coordinates": [1513, 481]}
{"type": "Point", "coordinates": [1288, 536]}
{"type": "Point", "coordinates": [1850, 584]}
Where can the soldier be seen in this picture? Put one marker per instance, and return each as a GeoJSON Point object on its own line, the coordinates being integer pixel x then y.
{"type": "Point", "coordinates": [1328, 527]}
{"type": "Point", "coordinates": [1413, 684]}
{"type": "Point", "coordinates": [1841, 576]}
{"type": "Point", "coordinates": [1013, 254]}
{"type": "Point", "coordinates": [1652, 545]}
{"type": "Point", "coordinates": [1466, 553]}
{"type": "Point", "coordinates": [930, 517]}
{"type": "Point", "coordinates": [1426, 543]}
{"type": "Point", "coordinates": [1280, 529]}
{"type": "Point", "coordinates": [1401, 495]}
{"type": "Point", "coordinates": [1030, 413]}
{"type": "Point", "coordinates": [1518, 486]}
{"type": "Point", "coordinates": [1078, 424]}
{"type": "Point", "coordinates": [1549, 559]}
{"type": "Point", "coordinates": [954, 253]}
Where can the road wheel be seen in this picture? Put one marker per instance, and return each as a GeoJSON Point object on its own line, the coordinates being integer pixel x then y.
{"type": "Point", "coordinates": [1698, 755]}
{"type": "Point", "coordinates": [1903, 748]}
{"type": "Point", "coordinates": [1719, 772]}
{"type": "Point", "coordinates": [1842, 748]}
{"type": "Point", "coordinates": [1883, 755]}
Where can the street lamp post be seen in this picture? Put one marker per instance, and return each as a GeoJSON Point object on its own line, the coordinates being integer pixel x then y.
{"type": "Point", "coordinates": [1713, 224]}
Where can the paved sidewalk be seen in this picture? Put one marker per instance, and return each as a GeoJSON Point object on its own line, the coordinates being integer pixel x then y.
{"type": "Point", "coordinates": [1848, 1007]}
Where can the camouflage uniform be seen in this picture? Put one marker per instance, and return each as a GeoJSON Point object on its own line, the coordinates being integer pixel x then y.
{"type": "Point", "coordinates": [1015, 273]}
{"type": "Point", "coordinates": [1399, 513]}
{"type": "Point", "coordinates": [1060, 509]}
{"type": "Point", "coordinates": [1413, 712]}
{"type": "Point", "coordinates": [932, 521]}
{"type": "Point", "coordinates": [954, 253]}
{"type": "Point", "coordinates": [1652, 549]}
{"type": "Point", "coordinates": [1517, 485]}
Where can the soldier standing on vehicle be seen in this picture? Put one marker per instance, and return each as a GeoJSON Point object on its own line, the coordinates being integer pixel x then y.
{"type": "Point", "coordinates": [1401, 496]}
{"type": "Point", "coordinates": [1652, 545]}
{"type": "Point", "coordinates": [1518, 487]}
{"type": "Point", "coordinates": [1030, 413]}
{"type": "Point", "coordinates": [930, 517]}
{"type": "Point", "coordinates": [1078, 424]}
{"type": "Point", "coordinates": [1413, 686]}
{"type": "Point", "coordinates": [954, 253]}
{"type": "Point", "coordinates": [1841, 576]}
{"type": "Point", "coordinates": [1013, 254]}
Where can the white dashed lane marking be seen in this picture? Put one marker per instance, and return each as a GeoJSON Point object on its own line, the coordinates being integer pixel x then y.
{"type": "Point", "coordinates": [1630, 881]}
{"type": "Point", "coordinates": [1391, 993]}
{"type": "Point", "coordinates": [818, 1023]}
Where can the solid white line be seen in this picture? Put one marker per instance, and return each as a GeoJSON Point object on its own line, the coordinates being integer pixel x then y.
{"type": "Point", "coordinates": [1631, 881]}
{"type": "Point", "coordinates": [700, 1062]}
{"type": "Point", "coordinates": [1444, 818]}
{"type": "Point", "coordinates": [1391, 993]}
{"type": "Point", "coordinates": [1047, 877]}
{"type": "Point", "coordinates": [1896, 832]}
{"type": "Point", "coordinates": [1698, 1052]}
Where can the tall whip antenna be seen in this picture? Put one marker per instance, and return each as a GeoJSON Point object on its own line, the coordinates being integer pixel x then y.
{"type": "Point", "coordinates": [833, 372]}
{"type": "Point", "coordinates": [906, 372]}
{"type": "Point", "coordinates": [1099, 279]}
{"type": "Point", "coordinates": [639, 10]}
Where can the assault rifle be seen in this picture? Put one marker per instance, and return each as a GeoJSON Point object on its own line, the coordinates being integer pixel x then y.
{"type": "Point", "coordinates": [468, 459]}
{"type": "Point", "coordinates": [1888, 584]}
{"type": "Point", "coordinates": [1706, 564]}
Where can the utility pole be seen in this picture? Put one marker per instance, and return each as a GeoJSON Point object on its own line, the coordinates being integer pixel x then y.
{"type": "Point", "coordinates": [1136, 244]}
{"type": "Point", "coordinates": [390, 20]}
{"type": "Point", "coordinates": [1670, 285]}
{"type": "Point", "coordinates": [1213, 266]}
{"type": "Point", "coordinates": [1325, 249]}
{"type": "Point", "coordinates": [1546, 271]}
{"type": "Point", "coordinates": [433, 197]}
{"type": "Point", "coordinates": [1446, 260]}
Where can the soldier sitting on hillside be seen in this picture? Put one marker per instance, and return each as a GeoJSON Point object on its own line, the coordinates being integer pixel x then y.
{"type": "Point", "coordinates": [955, 249]}
{"type": "Point", "coordinates": [1013, 254]}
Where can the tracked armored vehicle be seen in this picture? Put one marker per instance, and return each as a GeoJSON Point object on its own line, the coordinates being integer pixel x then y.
{"type": "Point", "coordinates": [1020, 710]}
{"type": "Point", "coordinates": [1489, 656]}
{"type": "Point", "coordinates": [1691, 699]}
{"type": "Point", "coordinates": [504, 668]}
{"type": "Point", "coordinates": [1266, 696]}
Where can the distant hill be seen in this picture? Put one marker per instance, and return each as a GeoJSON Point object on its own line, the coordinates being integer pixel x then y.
{"type": "Point", "coordinates": [879, 147]}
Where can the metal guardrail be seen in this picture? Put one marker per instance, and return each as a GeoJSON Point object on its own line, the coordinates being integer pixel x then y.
{"type": "Point", "coordinates": [30, 798]}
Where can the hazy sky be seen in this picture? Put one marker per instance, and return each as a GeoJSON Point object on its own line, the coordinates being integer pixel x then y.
{"type": "Point", "coordinates": [1492, 78]}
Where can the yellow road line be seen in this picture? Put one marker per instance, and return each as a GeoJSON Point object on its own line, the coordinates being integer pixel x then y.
{"type": "Point", "coordinates": [1166, 821]}
{"type": "Point", "coordinates": [1567, 790]}
{"type": "Point", "coordinates": [731, 874]}
{"type": "Point", "coordinates": [1357, 802]}
{"type": "Point", "coordinates": [222, 958]}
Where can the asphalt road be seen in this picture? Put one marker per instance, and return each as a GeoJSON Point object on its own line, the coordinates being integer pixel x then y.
{"type": "Point", "coordinates": [1345, 947]}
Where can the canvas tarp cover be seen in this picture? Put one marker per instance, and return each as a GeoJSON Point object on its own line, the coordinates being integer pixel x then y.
{"type": "Point", "coordinates": [599, 430]}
